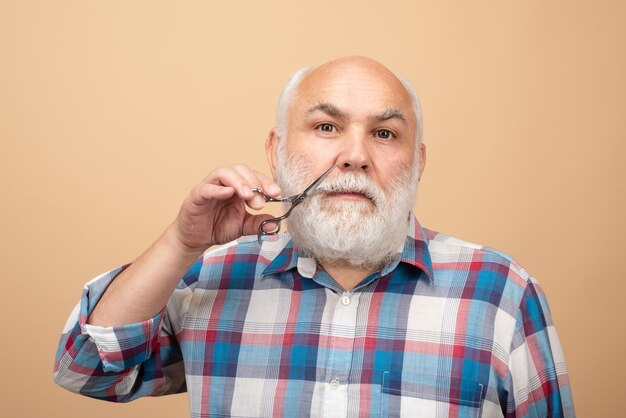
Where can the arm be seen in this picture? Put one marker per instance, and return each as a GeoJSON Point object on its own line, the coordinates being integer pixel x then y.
{"type": "Point", "coordinates": [119, 343]}
{"type": "Point", "coordinates": [118, 363]}
{"type": "Point", "coordinates": [213, 213]}
{"type": "Point", "coordinates": [538, 382]}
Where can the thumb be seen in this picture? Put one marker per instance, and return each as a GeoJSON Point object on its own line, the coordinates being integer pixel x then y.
{"type": "Point", "coordinates": [252, 222]}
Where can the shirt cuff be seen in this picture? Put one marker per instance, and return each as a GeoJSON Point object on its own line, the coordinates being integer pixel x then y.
{"type": "Point", "coordinates": [120, 347]}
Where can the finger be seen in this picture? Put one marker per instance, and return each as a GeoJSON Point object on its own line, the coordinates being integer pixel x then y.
{"type": "Point", "coordinates": [252, 180]}
{"type": "Point", "coordinates": [263, 182]}
{"type": "Point", "coordinates": [207, 192]}
{"type": "Point", "coordinates": [231, 177]}
{"type": "Point", "coordinates": [268, 185]}
{"type": "Point", "coordinates": [251, 224]}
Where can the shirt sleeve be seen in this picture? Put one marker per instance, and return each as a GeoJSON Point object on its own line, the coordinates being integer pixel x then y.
{"type": "Point", "coordinates": [538, 380]}
{"type": "Point", "coordinates": [118, 363]}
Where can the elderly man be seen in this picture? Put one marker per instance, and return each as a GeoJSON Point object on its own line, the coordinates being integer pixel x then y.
{"type": "Point", "coordinates": [357, 311]}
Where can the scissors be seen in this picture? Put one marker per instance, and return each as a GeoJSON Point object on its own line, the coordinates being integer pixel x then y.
{"type": "Point", "coordinates": [295, 200]}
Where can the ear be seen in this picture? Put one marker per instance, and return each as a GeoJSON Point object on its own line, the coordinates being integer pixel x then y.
{"type": "Point", "coordinates": [271, 150]}
{"type": "Point", "coordinates": [422, 158]}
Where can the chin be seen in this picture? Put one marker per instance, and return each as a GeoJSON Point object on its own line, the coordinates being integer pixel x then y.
{"type": "Point", "coordinates": [336, 206]}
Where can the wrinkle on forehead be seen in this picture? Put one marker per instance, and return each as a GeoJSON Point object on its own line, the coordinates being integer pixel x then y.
{"type": "Point", "coordinates": [350, 71]}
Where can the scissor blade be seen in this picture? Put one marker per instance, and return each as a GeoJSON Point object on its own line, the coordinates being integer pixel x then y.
{"type": "Point", "coordinates": [317, 182]}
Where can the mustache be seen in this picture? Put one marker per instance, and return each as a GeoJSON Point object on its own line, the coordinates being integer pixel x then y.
{"type": "Point", "coordinates": [352, 183]}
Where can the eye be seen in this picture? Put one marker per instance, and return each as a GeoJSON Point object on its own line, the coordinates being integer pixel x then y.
{"type": "Point", "coordinates": [326, 127]}
{"type": "Point", "coordinates": [384, 134]}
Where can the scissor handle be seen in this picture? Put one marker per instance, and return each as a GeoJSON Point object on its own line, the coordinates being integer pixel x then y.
{"type": "Point", "coordinates": [277, 220]}
{"type": "Point", "coordinates": [295, 200]}
{"type": "Point", "coordinates": [269, 198]}
{"type": "Point", "coordinates": [261, 232]}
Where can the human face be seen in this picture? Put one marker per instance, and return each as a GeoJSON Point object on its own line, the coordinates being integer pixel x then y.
{"type": "Point", "coordinates": [363, 233]}
{"type": "Point", "coordinates": [356, 114]}
{"type": "Point", "coordinates": [361, 119]}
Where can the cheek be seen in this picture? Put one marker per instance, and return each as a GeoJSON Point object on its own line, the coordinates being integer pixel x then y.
{"type": "Point", "coordinates": [313, 158]}
{"type": "Point", "coordinates": [300, 146]}
{"type": "Point", "coordinates": [397, 173]}
{"type": "Point", "coordinates": [299, 159]}
{"type": "Point", "coordinates": [394, 164]}
{"type": "Point", "coordinates": [313, 147]}
{"type": "Point", "coordinates": [294, 171]}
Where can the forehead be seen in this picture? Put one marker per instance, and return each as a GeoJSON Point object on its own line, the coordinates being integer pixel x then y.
{"type": "Point", "coordinates": [356, 89]}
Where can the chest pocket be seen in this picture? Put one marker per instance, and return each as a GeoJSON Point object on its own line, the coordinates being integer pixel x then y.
{"type": "Point", "coordinates": [413, 394]}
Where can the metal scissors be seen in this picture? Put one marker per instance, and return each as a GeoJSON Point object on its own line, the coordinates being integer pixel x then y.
{"type": "Point", "coordinates": [295, 200]}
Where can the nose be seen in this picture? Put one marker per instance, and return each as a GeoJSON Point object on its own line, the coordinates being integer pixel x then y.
{"type": "Point", "coordinates": [354, 153]}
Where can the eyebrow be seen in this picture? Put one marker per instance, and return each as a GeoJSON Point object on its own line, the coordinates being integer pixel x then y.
{"type": "Point", "coordinates": [328, 108]}
{"type": "Point", "coordinates": [332, 110]}
{"type": "Point", "coordinates": [391, 113]}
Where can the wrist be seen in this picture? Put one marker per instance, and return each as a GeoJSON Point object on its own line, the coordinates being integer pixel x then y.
{"type": "Point", "coordinates": [171, 239]}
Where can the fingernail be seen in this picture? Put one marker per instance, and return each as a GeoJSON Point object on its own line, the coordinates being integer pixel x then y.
{"type": "Point", "coordinates": [245, 190]}
{"type": "Point", "coordinates": [273, 188]}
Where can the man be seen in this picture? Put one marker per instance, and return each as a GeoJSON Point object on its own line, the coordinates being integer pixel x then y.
{"type": "Point", "coordinates": [348, 314]}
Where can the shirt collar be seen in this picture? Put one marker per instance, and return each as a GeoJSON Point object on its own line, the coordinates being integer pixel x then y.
{"type": "Point", "coordinates": [285, 257]}
{"type": "Point", "coordinates": [415, 251]}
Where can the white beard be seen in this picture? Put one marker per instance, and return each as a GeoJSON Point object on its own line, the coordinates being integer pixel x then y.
{"type": "Point", "coordinates": [363, 233]}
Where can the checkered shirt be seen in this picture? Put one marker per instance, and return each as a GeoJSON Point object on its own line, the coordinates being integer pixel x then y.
{"type": "Point", "coordinates": [448, 329]}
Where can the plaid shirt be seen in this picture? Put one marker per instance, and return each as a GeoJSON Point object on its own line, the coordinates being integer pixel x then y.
{"type": "Point", "coordinates": [448, 329]}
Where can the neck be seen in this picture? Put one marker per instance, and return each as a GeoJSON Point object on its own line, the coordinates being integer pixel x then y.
{"type": "Point", "coordinates": [346, 275]}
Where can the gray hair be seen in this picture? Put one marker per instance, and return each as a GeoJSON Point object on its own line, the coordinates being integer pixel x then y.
{"type": "Point", "coordinates": [288, 94]}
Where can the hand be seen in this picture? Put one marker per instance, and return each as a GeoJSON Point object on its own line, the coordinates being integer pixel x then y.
{"type": "Point", "coordinates": [214, 212]}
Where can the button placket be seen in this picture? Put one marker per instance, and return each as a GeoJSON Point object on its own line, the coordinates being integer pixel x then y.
{"type": "Point", "coordinates": [344, 325]}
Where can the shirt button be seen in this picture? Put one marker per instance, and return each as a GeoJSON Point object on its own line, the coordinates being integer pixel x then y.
{"type": "Point", "coordinates": [345, 300]}
{"type": "Point", "coordinates": [334, 384]}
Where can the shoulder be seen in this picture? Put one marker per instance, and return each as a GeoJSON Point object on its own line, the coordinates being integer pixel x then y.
{"type": "Point", "coordinates": [242, 258]}
{"type": "Point", "coordinates": [479, 264]}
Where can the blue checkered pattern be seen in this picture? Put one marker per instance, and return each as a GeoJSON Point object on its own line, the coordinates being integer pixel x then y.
{"type": "Point", "coordinates": [448, 329]}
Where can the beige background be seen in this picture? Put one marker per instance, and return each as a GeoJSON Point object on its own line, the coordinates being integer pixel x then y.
{"type": "Point", "coordinates": [111, 111]}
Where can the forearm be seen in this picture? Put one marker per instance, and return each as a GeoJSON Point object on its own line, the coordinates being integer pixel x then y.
{"type": "Point", "coordinates": [142, 290]}
{"type": "Point", "coordinates": [117, 363]}
{"type": "Point", "coordinates": [214, 212]}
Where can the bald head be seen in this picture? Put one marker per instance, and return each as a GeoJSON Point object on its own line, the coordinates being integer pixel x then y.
{"type": "Point", "coordinates": [344, 73]}
{"type": "Point", "coordinates": [350, 67]}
